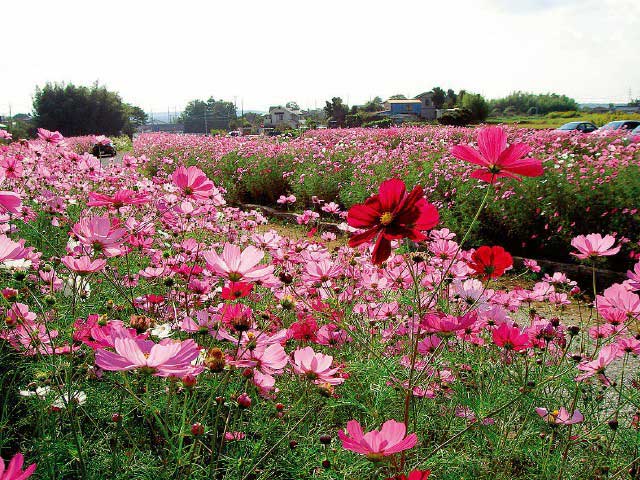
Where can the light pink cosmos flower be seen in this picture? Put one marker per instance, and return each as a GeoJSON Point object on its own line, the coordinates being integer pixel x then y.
{"type": "Point", "coordinates": [84, 264]}
{"type": "Point", "coordinates": [618, 297]}
{"type": "Point", "coordinates": [53, 138]}
{"type": "Point", "coordinates": [167, 358]}
{"type": "Point", "coordinates": [4, 135]}
{"type": "Point", "coordinates": [193, 182]}
{"type": "Point", "coordinates": [594, 245]}
{"type": "Point", "coordinates": [531, 265]}
{"type": "Point", "coordinates": [315, 366]}
{"type": "Point", "coordinates": [561, 416]}
{"type": "Point", "coordinates": [14, 470]}
{"type": "Point", "coordinates": [238, 265]}
{"type": "Point", "coordinates": [634, 277]}
{"type": "Point", "coordinates": [606, 355]}
{"type": "Point", "coordinates": [99, 234]}
{"type": "Point", "coordinates": [10, 250]}
{"type": "Point", "coordinates": [102, 140]}
{"type": "Point", "coordinates": [377, 444]}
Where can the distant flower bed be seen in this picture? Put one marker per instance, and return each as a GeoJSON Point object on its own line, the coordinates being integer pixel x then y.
{"type": "Point", "coordinates": [591, 182]}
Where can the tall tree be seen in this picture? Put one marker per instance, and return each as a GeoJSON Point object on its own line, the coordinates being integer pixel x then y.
{"type": "Point", "coordinates": [397, 96]}
{"type": "Point", "coordinates": [336, 110]}
{"type": "Point", "coordinates": [451, 99]}
{"type": "Point", "coordinates": [438, 97]}
{"type": "Point", "coordinates": [292, 105]}
{"type": "Point", "coordinates": [79, 110]}
{"type": "Point", "coordinates": [374, 105]}
{"type": "Point", "coordinates": [201, 117]}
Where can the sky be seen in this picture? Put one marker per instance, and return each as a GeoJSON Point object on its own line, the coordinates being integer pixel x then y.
{"type": "Point", "coordinates": [160, 54]}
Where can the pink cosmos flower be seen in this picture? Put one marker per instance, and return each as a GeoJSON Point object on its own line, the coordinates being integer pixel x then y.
{"type": "Point", "coordinates": [315, 366]}
{"type": "Point", "coordinates": [561, 416]}
{"type": "Point", "coordinates": [4, 135]}
{"type": "Point", "coordinates": [10, 202]}
{"type": "Point", "coordinates": [594, 245]}
{"type": "Point", "coordinates": [167, 358]}
{"type": "Point", "coordinates": [237, 265]}
{"type": "Point", "coordinates": [606, 355]}
{"type": "Point", "coordinates": [84, 264]}
{"type": "Point", "coordinates": [99, 234]}
{"type": "Point", "coordinates": [11, 167]}
{"type": "Point", "coordinates": [442, 324]}
{"type": "Point", "coordinates": [53, 138]}
{"type": "Point", "coordinates": [496, 159]}
{"type": "Point", "coordinates": [531, 265]}
{"type": "Point", "coordinates": [634, 277]}
{"type": "Point", "coordinates": [193, 182]}
{"type": "Point", "coordinates": [10, 250]}
{"type": "Point", "coordinates": [510, 338]}
{"type": "Point", "coordinates": [377, 444]}
{"type": "Point", "coordinates": [14, 470]}
{"type": "Point", "coordinates": [101, 140]}
{"type": "Point", "coordinates": [618, 298]}
{"type": "Point", "coordinates": [118, 200]}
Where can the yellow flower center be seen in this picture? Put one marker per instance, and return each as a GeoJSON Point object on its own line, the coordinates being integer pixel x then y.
{"type": "Point", "coordinates": [386, 218]}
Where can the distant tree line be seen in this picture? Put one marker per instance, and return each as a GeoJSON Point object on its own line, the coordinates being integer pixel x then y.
{"type": "Point", "coordinates": [523, 103]}
{"type": "Point", "coordinates": [201, 116]}
{"type": "Point", "coordinates": [79, 110]}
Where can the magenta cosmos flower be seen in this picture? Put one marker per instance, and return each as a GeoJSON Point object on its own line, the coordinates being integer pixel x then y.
{"type": "Point", "coordinates": [14, 470]}
{"type": "Point", "coordinates": [10, 202]}
{"type": "Point", "coordinates": [510, 338]}
{"type": "Point", "coordinates": [315, 366]}
{"type": "Point", "coordinates": [377, 444]}
{"type": "Point", "coordinates": [496, 159]}
{"type": "Point", "coordinates": [392, 214]}
{"type": "Point", "coordinates": [594, 245]}
{"type": "Point", "coordinates": [193, 182]}
{"type": "Point", "coordinates": [167, 358]}
{"type": "Point", "coordinates": [560, 417]}
{"type": "Point", "coordinates": [117, 200]}
{"type": "Point", "coordinates": [237, 265]}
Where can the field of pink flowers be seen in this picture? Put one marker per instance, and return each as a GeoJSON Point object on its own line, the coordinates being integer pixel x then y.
{"type": "Point", "coordinates": [591, 182]}
{"type": "Point", "coordinates": [152, 329]}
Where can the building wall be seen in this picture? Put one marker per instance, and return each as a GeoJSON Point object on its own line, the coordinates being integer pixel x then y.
{"type": "Point", "coordinates": [409, 108]}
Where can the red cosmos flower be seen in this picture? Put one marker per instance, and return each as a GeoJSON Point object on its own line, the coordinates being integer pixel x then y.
{"type": "Point", "coordinates": [496, 159]}
{"type": "Point", "coordinates": [490, 262]}
{"type": "Point", "coordinates": [413, 475]}
{"type": "Point", "coordinates": [235, 290]}
{"type": "Point", "coordinates": [393, 215]}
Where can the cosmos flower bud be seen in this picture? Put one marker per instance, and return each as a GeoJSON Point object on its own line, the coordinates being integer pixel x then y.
{"type": "Point", "coordinates": [244, 401]}
{"type": "Point", "coordinates": [214, 360]}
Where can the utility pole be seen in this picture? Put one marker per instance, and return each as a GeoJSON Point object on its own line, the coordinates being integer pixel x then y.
{"type": "Point", "coordinates": [205, 118]}
{"type": "Point", "coordinates": [10, 118]}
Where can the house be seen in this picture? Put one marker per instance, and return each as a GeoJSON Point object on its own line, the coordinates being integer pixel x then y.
{"type": "Point", "coordinates": [283, 117]}
{"type": "Point", "coordinates": [428, 108]}
{"type": "Point", "coordinates": [411, 109]}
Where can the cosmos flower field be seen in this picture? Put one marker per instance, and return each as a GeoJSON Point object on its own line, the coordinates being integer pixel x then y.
{"type": "Point", "coordinates": [156, 327]}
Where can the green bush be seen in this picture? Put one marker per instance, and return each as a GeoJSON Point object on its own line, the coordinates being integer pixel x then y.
{"type": "Point", "coordinates": [384, 123]}
{"type": "Point", "coordinates": [458, 117]}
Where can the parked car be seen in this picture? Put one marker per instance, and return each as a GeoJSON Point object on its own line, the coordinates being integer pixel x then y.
{"type": "Point", "coordinates": [621, 124]}
{"type": "Point", "coordinates": [104, 150]}
{"type": "Point", "coordinates": [635, 134]}
{"type": "Point", "coordinates": [584, 127]}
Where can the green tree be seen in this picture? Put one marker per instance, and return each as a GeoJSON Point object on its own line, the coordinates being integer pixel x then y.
{"type": "Point", "coordinates": [438, 97]}
{"type": "Point", "coordinates": [397, 96]}
{"type": "Point", "coordinates": [523, 102]}
{"type": "Point", "coordinates": [292, 106]}
{"type": "Point", "coordinates": [477, 105]}
{"type": "Point", "coordinates": [200, 116]}
{"type": "Point", "coordinates": [336, 111]}
{"type": "Point", "coordinates": [374, 105]}
{"type": "Point", "coordinates": [451, 99]}
{"type": "Point", "coordinates": [79, 110]}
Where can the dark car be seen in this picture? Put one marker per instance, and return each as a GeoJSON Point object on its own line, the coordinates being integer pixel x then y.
{"type": "Point", "coordinates": [104, 150]}
{"type": "Point", "coordinates": [621, 125]}
{"type": "Point", "coordinates": [584, 127]}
